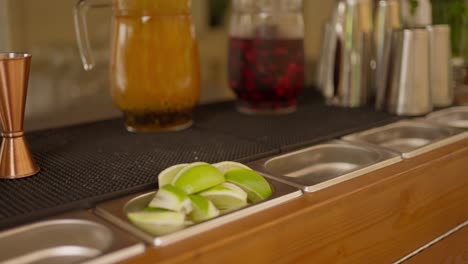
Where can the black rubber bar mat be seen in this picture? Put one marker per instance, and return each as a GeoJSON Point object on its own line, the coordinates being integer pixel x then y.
{"type": "Point", "coordinates": [86, 164]}
{"type": "Point", "coordinates": [313, 122]}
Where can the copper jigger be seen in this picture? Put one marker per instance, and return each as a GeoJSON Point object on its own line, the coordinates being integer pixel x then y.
{"type": "Point", "coordinates": [15, 158]}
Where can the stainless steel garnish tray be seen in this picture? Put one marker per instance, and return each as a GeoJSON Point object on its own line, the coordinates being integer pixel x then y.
{"type": "Point", "coordinates": [77, 237]}
{"type": "Point", "coordinates": [456, 117]}
{"type": "Point", "coordinates": [324, 165]}
{"type": "Point", "coordinates": [116, 212]}
{"type": "Point", "coordinates": [409, 138]}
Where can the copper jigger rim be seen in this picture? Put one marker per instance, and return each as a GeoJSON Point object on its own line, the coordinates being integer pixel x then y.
{"type": "Point", "coordinates": [14, 55]}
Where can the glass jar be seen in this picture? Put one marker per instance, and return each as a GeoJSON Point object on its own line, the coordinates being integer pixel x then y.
{"type": "Point", "coordinates": [154, 61]}
{"type": "Point", "coordinates": [266, 55]}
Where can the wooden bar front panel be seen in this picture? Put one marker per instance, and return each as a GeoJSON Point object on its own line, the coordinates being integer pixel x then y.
{"type": "Point", "coordinates": [453, 250]}
{"type": "Point", "coordinates": [377, 218]}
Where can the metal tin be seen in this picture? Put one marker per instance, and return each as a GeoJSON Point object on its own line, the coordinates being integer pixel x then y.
{"type": "Point", "coordinates": [325, 165]}
{"type": "Point", "coordinates": [347, 58]}
{"type": "Point", "coordinates": [387, 19]}
{"type": "Point", "coordinates": [324, 74]}
{"type": "Point", "coordinates": [116, 212]}
{"type": "Point", "coordinates": [409, 138]}
{"type": "Point", "coordinates": [455, 117]}
{"type": "Point", "coordinates": [70, 238]}
{"type": "Point", "coordinates": [441, 65]}
{"type": "Point", "coordinates": [409, 83]}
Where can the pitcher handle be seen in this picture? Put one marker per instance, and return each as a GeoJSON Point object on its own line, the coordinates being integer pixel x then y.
{"type": "Point", "coordinates": [81, 29]}
{"type": "Point", "coordinates": [334, 54]}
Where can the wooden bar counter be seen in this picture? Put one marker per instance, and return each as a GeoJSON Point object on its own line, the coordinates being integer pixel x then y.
{"type": "Point", "coordinates": [377, 218]}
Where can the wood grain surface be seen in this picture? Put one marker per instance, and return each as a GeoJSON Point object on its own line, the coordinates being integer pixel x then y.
{"type": "Point", "coordinates": [451, 250]}
{"type": "Point", "coordinates": [377, 218]}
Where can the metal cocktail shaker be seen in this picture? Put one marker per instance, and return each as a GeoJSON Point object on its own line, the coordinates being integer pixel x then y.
{"type": "Point", "coordinates": [441, 67]}
{"type": "Point", "coordinates": [323, 72]}
{"type": "Point", "coordinates": [409, 83]}
{"type": "Point", "coordinates": [387, 19]}
{"type": "Point", "coordinates": [345, 69]}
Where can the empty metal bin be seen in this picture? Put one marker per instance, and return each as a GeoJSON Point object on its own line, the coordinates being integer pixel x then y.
{"type": "Point", "coordinates": [456, 117]}
{"type": "Point", "coordinates": [409, 138]}
{"type": "Point", "coordinates": [324, 165]}
{"type": "Point", "coordinates": [78, 237]}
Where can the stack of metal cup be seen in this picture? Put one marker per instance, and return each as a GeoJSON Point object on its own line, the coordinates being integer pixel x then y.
{"type": "Point", "coordinates": [346, 54]}
{"type": "Point", "coordinates": [387, 20]}
{"type": "Point", "coordinates": [420, 68]}
{"type": "Point", "coordinates": [405, 67]}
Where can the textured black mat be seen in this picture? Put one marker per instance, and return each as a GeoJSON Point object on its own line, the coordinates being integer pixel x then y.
{"type": "Point", "coordinates": [313, 122]}
{"type": "Point", "coordinates": [86, 164]}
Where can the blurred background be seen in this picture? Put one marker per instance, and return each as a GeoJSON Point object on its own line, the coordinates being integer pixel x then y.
{"type": "Point", "coordinates": [61, 92]}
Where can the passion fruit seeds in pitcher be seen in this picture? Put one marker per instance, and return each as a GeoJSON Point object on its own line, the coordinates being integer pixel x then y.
{"type": "Point", "coordinates": [192, 193]}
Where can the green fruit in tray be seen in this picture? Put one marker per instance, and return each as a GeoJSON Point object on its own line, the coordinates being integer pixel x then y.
{"type": "Point", "coordinates": [192, 193]}
{"type": "Point", "coordinates": [203, 209]}
{"type": "Point", "coordinates": [171, 198]}
{"type": "Point", "coordinates": [226, 166]}
{"type": "Point", "coordinates": [166, 176]}
{"type": "Point", "coordinates": [197, 177]}
{"type": "Point", "coordinates": [256, 187]}
{"type": "Point", "coordinates": [158, 222]}
{"type": "Point", "coordinates": [153, 210]}
{"type": "Point", "coordinates": [226, 197]}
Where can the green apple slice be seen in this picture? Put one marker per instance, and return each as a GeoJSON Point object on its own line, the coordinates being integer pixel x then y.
{"type": "Point", "coordinates": [203, 209]}
{"type": "Point", "coordinates": [226, 197]}
{"type": "Point", "coordinates": [256, 187]}
{"type": "Point", "coordinates": [159, 222]}
{"type": "Point", "coordinates": [226, 166]}
{"type": "Point", "coordinates": [171, 198]}
{"type": "Point", "coordinates": [197, 177]}
{"type": "Point", "coordinates": [166, 176]}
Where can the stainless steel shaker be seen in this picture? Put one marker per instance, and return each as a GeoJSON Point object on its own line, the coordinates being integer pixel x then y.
{"type": "Point", "coordinates": [441, 67]}
{"type": "Point", "coordinates": [416, 16]}
{"type": "Point", "coordinates": [324, 59]}
{"type": "Point", "coordinates": [346, 77]}
{"type": "Point", "coordinates": [387, 18]}
{"type": "Point", "coordinates": [409, 84]}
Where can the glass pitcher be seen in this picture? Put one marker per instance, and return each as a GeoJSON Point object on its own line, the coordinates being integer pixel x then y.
{"type": "Point", "coordinates": [266, 55]}
{"type": "Point", "coordinates": [155, 77]}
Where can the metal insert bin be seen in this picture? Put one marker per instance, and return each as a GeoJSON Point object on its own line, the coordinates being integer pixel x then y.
{"type": "Point", "coordinates": [456, 117]}
{"type": "Point", "coordinates": [327, 164]}
{"type": "Point", "coordinates": [77, 237]}
{"type": "Point", "coordinates": [409, 138]}
{"type": "Point", "coordinates": [116, 212]}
